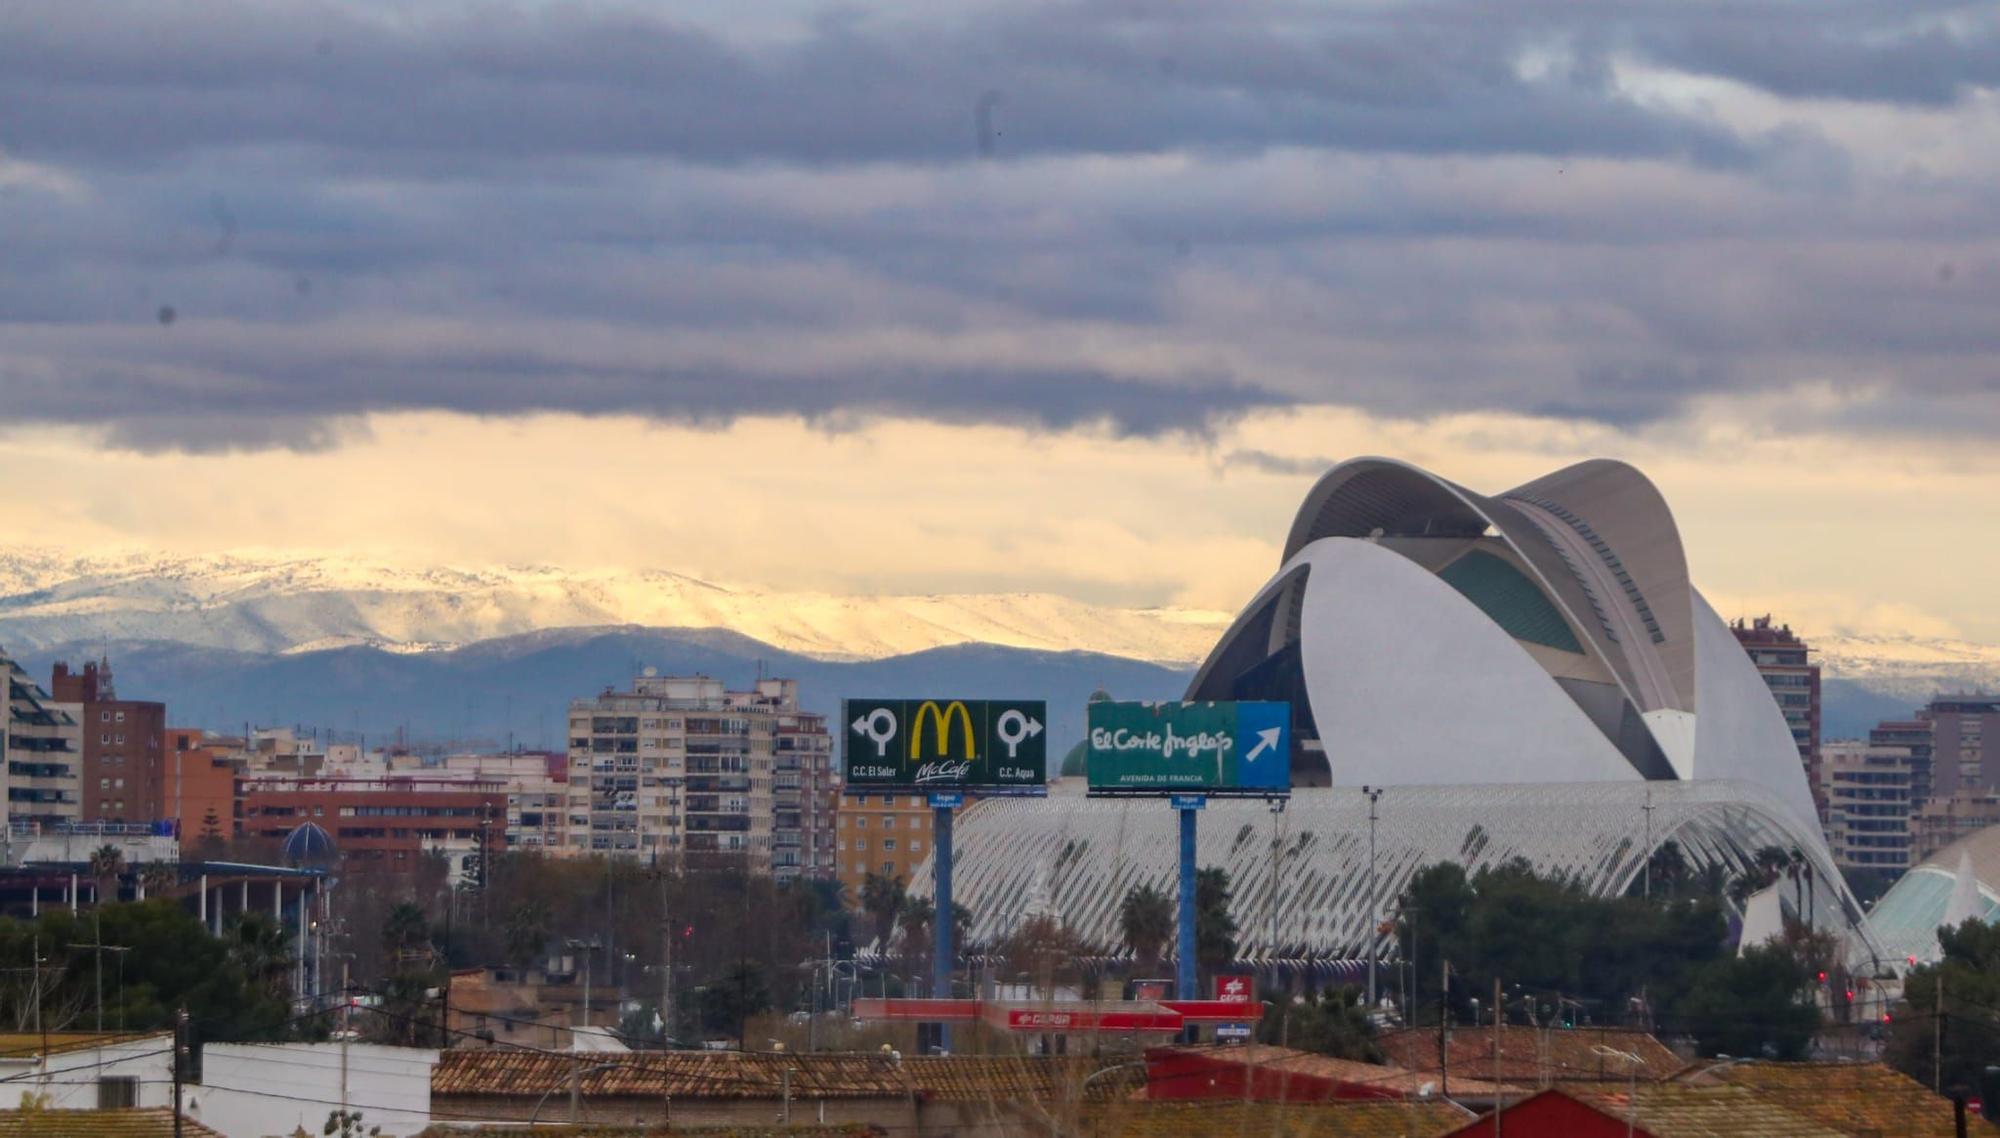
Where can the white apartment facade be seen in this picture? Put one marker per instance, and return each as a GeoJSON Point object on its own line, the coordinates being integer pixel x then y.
{"type": "Point", "coordinates": [682, 768]}
{"type": "Point", "coordinates": [41, 754]}
{"type": "Point", "coordinates": [1866, 788]}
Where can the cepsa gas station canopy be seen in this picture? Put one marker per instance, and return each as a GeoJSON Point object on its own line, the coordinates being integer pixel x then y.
{"type": "Point", "coordinates": [1100, 1017]}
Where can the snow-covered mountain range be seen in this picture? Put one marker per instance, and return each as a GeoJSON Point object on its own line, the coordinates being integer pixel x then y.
{"type": "Point", "coordinates": [369, 645]}
{"type": "Point", "coordinates": [279, 604]}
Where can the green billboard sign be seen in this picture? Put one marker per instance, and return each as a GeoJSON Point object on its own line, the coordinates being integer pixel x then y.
{"type": "Point", "coordinates": [1190, 748]}
{"type": "Point", "coordinates": [943, 745]}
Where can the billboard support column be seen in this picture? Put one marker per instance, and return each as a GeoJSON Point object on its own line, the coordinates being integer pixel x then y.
{"type": "Point", "coordinates": [1185, 985]}
{"type": "Point", "coordinates": [941, 919]}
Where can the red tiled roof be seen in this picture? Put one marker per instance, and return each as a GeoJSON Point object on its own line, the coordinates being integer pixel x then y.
{"type": "Point", "coordinates": [1853, 1098]}
{"type": "Point", "coordinates": [1532, 1056]}
{"type": "Point", "coordinates": [154, 1123]}
{"type": "Point", "coordinates": [763, 1075]}
{"type": "Point", "coordinates": [1277, 1068]}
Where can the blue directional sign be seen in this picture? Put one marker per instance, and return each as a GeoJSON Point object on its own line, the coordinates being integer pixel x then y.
{"type": "Point", "coordinates": [1190, 748]}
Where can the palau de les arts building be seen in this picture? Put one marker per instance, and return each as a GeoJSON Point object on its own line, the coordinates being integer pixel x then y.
{"type": "Point", "coordinates": [1530, 675]}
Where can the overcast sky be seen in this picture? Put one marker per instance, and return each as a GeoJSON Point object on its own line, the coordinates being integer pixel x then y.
{"type": "Point", "coordinates": [945, 297]}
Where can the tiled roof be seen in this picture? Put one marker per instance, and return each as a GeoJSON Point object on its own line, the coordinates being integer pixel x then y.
{"type": "Point", "coordinates": [513, 1130]}
{"type": "Point", "coordinates": [157, 1123]}
{"type": "Point", "coordinates": [761, 1075]}
{"type": "Point", "coordinates": [1347, 1072]}
{"type": "Point", "coordinates": [1382, 1119]}
{"type": "Point", "coordinates": [1532, 1056]}
{"type": "Point", "coordinates": [19, 1044]}
{"type": "Point", "coordinates": [1674, 1110]}
{"type": "Point", "coordinates": [1852, 1098]}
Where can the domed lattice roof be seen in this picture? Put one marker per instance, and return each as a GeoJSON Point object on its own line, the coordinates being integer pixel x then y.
{"type": "Point", "coordinates": [308, 844]}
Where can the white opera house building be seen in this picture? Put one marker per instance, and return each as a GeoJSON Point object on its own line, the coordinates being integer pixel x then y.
{"type": "Point", "coordinates": [1529, 675]}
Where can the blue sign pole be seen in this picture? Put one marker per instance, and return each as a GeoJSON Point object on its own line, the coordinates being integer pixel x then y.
{"type": "Point", "coordinates": [941, 922]}
{"type": "Point", "coordinates": [1185, 984]}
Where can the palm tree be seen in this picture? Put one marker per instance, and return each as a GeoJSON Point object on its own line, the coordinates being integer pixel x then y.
{"type": "Point", "coordinates": [107, 862]}
{"type": "Point", "coordinates": [1214, 928]}
{"type": "Point", "coordinates": [1146, 918]}
{"type": "Point", "coordinates": [882, 898]}
{"type": "Point", "coordinates": [158, 877]}
{"type": "Point", "coordinates": [1795, 869]}
{"type": "Point", "coordinates": [527, 932]}
{"type": "Point", "coordinates": [261, 947]}
{"type": "Point", "coordinates": [406, 931]}
{"type": "Point", "coordinates": [915, 922]}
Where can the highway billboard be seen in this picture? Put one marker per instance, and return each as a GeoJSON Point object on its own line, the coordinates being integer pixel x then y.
{"type": "Point", "coordinates": [1242, 748]}
{"type": "Point", "coordinates": [945, 745]}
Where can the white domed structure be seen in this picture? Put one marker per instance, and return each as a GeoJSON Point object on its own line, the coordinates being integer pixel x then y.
{"type": "Point", "coordinates": [1530, 675]}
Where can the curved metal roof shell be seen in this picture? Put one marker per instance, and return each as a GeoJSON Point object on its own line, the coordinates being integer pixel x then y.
{"type": "Point", "coordinates": [1908, 915]}
{"type": "Point", "coordinates": [1312, 900]}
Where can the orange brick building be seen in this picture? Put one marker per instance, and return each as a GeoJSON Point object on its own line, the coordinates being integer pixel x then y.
{"type": "Point", "coordinates": [386, 821]}
{"type": "Point", "coordinates": [124, 743]}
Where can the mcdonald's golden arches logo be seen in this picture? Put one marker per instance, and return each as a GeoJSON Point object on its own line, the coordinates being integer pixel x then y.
{"type": "Point", "coordinates": [941, 719]}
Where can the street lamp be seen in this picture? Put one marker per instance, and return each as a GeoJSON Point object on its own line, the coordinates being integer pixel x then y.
{"type": "Point", "coordinates": [586, 947]}
{"type": "Point", "coordinates": [1374, 909]}
{"type": "Point", "coordinates": [1632, 1065]}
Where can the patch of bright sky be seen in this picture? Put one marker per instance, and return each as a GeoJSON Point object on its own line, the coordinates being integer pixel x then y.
{"type": "Point", "coordinates": [1833, 534]}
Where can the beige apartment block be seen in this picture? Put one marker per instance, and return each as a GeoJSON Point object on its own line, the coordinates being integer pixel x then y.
{"type": "Point", "coordinates": [682, 769]}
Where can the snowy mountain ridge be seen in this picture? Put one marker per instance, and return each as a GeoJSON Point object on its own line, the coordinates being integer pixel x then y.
{"type": "Point", "coordinates": [277, 604]}
{"type": "Point", "coordinates": [286, 603]}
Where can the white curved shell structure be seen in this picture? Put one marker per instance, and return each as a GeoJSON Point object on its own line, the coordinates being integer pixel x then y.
{"type": "Point", "coordinates": [1530, 674]}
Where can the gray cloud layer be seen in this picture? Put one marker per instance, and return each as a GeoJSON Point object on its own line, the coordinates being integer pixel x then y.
{"type": "Point", "coordinates": [1148, 215]}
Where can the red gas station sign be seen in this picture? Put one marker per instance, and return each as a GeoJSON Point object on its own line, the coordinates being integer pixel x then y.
{"type": "Point", "coordinates": [1232, 989]}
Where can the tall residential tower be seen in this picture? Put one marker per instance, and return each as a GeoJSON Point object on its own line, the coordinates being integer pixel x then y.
{"type": "Point", "coordinates": [683, 768]}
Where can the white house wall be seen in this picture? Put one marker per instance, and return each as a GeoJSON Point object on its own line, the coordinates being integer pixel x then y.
{"type": "Point", "coordinates": [250, 1090]}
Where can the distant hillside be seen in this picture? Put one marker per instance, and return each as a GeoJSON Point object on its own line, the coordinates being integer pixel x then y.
{"type": "Point", "coordinates": [268, 604]}
{"type": "Point", "coordinates": [520, 686]}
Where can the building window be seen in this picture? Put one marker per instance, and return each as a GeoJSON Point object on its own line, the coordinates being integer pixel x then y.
{"type": "Point", "coordinates": [119, 1092]}
{"type": "Point", "coordinates": [888, 822]}
{"type": "Point", "coordinates": [916, 845]}
{"type": "Point", "coordinates": [861, 843]}
{"type": "Point", "coordinates": [888, 844]}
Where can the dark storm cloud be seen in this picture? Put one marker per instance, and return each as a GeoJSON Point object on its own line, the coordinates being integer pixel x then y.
{"type": "Point", "coordinates": [1145, 217]}
{"type": "Point", "coordinates": [122, 82]}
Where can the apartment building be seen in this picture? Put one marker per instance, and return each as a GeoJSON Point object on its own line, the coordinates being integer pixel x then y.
{"type": "Point", "coordinates": [1785, 662]}
{"type": "Point", "coordinates": [41, 751]}
{"type": "Point", "coordinates": [681, 767]}
{"type": "Point", "coordinates": [378, 822]}
{"type": "Point", "coordinates": [888, 834]}
{"type": "Point", "coordinates": [123, 768]}
{"type": "Point", "coordinates": [1965, 742]}
{"type": "Point", "coordinates": [537, 792]}
{"type": "Point", "coordinates": [1866, 787]}
{"type": "Point", "coordinates": [200, 786]}
{"type": "Point", "coordinates": [1938, 822]}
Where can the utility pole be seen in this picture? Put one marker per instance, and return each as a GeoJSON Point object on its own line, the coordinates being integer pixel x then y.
{"type": "Point", "coordinates": [1937, 1037]}
{"type": "Point", "coordinates": [180, 1064]}
{"type": "Point", "coordinates": [666, 979]}
{"type": "Point", "coordinates": [1271, 900]}
{"type": "Point", "coordinates": [1374, 897]}
{"type": "Point", "coordinates": [1648, 808]}
{"type": "Point", "coordinates": [1499, 1099]}
{"type": "Point", "coordinates": [1444, 1055]}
